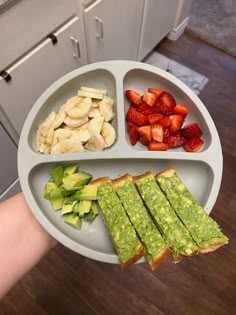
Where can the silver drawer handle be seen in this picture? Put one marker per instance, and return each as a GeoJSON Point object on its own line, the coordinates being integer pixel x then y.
{"type": "Point", "coordinates": [100, 22]}
{"type": "Point", "coordinates": [76, 45]}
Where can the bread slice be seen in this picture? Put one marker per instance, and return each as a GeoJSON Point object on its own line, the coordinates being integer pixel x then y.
{"type": "Point", "coordinates": [177, 236]}
{"type": "Point", "coordinates": [155, 247]}
{"type": "Point", "coordinates": [122, 232]}
{"type": "Point", "coordinates": [203, 229]}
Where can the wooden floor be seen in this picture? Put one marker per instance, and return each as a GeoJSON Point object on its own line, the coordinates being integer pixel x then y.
{"type": "Point", "coordinates": [65, 283]}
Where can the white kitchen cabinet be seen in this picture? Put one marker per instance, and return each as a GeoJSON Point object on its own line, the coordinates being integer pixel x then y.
{"type": "Point", "coordinates": [27, 22]}
{"type": "Point", "coordinates": [36, 71]}
{"type": "Point", "coordinates": [158, 20]}
{"type": "Point", "coordinates": [112, 29]}
{"type": "Point", "coordinates": [8, 156]}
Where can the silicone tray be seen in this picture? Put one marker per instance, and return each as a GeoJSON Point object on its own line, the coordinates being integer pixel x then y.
{"type": "Point", "coordinates": [201, 171]}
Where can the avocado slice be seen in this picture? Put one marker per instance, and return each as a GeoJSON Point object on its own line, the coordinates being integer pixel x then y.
{"type": "Point", "coordinates": [68, 205]}
{"type": "Point", "coordinates": [70, 169]}
{"type": "Point", "coordinates": [89, 217]}
{"type": "Point", "coordinates": [82, 207]}
{"type": "Point", "coordinates": [56, 198]}
{"type": "Point", "coordinates": [88, 192]}
{"type": "Point", "coordinates": [73, 220]}
{"type": "Point", "coordinates": [76, 181]}
{"type": "Point", "coordinates": [48, 188]}
{"type": "Point", "coordinates": [57, 175]}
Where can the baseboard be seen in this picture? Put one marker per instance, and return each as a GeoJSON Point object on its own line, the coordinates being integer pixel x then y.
{"type": "Point", "coordinates": [177, 31]}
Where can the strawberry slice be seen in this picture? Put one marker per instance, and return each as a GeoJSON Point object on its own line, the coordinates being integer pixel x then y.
{"type": "Point", "coordinates": [162, 108]}
{"type": "Point", "coordinates": [145, 109]}
{"type": "Point", "coordinates": [157, 132]}
{"type": "Point", "coordinates": [176, 123]}
{"type": "Point", "coordinates": [168, 101]}
{"type": "Point", "coordinates": [191, 130]}
{"type": "Point", "coordinates": [149, 98]}
{"type": "Point", "coordinates": [157, 146]}
{"type": "Point", "coordinates": [135, 117]}
{"type": "Point", "coordinates": [143, 140]}
{"type": "Point", "coordinates": [133, 134]}
{"type": "Point", "coordinates": [154, 118]}
{"type": "Point", "coordinates": [156, 91]}
{"type": "Point", "coordinates": [165, 121]}
{"type": "Point", "coordinates": [145, 131]}
{"type": "Point", "coordinates": [133, 96]}
{"type": "Point", "coordinates": [174, 140]}
{"type": "Point", "coordinates": [193, 144]}
{"type": "Point", "coordinates": [180, 109]}
{"type": "Point", "coordinates": [166, 134]}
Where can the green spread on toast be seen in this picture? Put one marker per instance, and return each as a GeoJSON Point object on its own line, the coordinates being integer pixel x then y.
{"type": "Point", "coordinates": [203, 229]}
{"type": "Point", "coordinates": [118, 223]}
{"type": "Point", "coordinates": [138, 214]}
{"type": "Point", "coordinates": [175, 233]}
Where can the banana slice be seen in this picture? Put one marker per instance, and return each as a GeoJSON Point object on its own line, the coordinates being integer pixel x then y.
{"type": "Point", "coordinates": [89, 89]}
{"type": "Point", "coordinates": [60, 116]}
{"type": "Point", "coordinates": [95, 125]}
{"type": "Point", "coordinates": [60, 134]}
{"type": "Point", "coordinates": [67, 146]}
{"type": "Point", "coordinates": [83, 133]}
{"type": "Point", "coordinates": [95, 143]}
{"type": "Point", "coordinates": [79, 109]}
{"type": "Point", "coordinates": [75, 122]}
{"type": "Point", "coordinates": [95, 103]}
{"type": "Point", "coordinates": [49, 137]}
{"type": "Point", "coordinates": [106, 108]}
{"type": "Point", "coordinates": [108, 133]}
{"type": "Point", "coordinates": [49, 120]}
{"type": "Point", "coordinates": [90, 94]}
{"type": "Point", "coordinates": [94, 112]}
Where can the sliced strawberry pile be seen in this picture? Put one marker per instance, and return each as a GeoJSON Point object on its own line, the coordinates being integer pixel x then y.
{"type": "Point", "coordinates": [155, 120]}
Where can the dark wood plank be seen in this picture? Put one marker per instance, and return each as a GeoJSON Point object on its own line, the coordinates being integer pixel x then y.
{"type": "Point", "coordinates": [67, 283]}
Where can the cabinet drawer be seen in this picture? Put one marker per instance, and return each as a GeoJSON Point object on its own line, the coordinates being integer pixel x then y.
{"type": "Point", "coordinates": [27, 22]}
{"type": "Point", "coordinates": [8, 160]}
{"type": "Point", "coordinates": [39, 69]}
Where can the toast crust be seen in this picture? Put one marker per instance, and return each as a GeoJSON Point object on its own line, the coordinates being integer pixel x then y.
{"type": "Point", "coordinates": [145, 175]}
{"type": "Point", "coordinates": [120, 181]}
{"type": "Point", "coordinates": [168, 172]}
{"type": "Point", "coordinates": [97, 182]}
{"type": "Point", "coordinates": [160, 258]}
{"type": "Point", "coordinates": [137, 256]}
{"type": "Point", "coordinates": [212, 248]}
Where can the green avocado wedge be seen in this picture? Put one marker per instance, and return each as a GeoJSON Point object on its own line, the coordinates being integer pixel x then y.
{"type": "Point", "coordinates": [203, 229]}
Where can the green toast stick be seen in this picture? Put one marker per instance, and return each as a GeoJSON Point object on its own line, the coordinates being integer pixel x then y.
{"type": "Point", "coordinates": [173, 230]}
{"type": "Point", "coordinates": [203, 229]}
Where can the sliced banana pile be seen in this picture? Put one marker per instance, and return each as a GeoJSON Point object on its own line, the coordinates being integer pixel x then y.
{"type": "Point", "coordinates": [82, 123]}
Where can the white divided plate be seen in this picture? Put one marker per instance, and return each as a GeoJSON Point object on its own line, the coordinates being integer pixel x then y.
{"type": "Point", "coordinates": [200, 171]}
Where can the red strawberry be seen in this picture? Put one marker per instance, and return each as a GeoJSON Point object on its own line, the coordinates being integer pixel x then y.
{"type": "Point", "coordinates": [166, 134]}
{"type": "Point", "coordinates": [165, 121]}
{"type": "Point", "coordinates": [176, 123]}
{"type": "Point", "coordinates": [149, 98]}
{"type": "Point", "coordinates": [168, 101]}
{"type": "Point", "coordinates": [135, 117]}
{"type": "Point", "coordinates": [154, 118]}
{"type": "Point", "coordinates": [143, 140]}
{"type": "Point", "coordinates": [162, 108]}
{"type": "Point", "coordinates": [145, 109]}
{"type": "Point", "coordinates": [174, 140]}
{"type": "Point", "coordinates": [133, 96]}
{"type": "Point", "coordinates": [157, 132]}
{"type": "Point", "coordinates": [156, 91]}
{"type": "Point", "coordinates": [145, 131]}
{"type": "Point", "coordinates": [133, 134]}
{"type": "Point", "coordinates": [157, 146]}
{"type": "Point", "coordinates": [191, 130]}
{"type": "Point", "coordinates": [180, 109]}
{"type": "Point", "coordinates": [193, 144]}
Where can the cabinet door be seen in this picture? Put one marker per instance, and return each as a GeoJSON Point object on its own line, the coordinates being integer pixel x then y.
{"type": "Point", "coordinates": [39, 69]}
{"type": "Point", "coordinates": [8, 160]}
{"type": "Point", "coordinates": [158, 20]}
{"type": "Point", "coordinates": [112, 29]}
